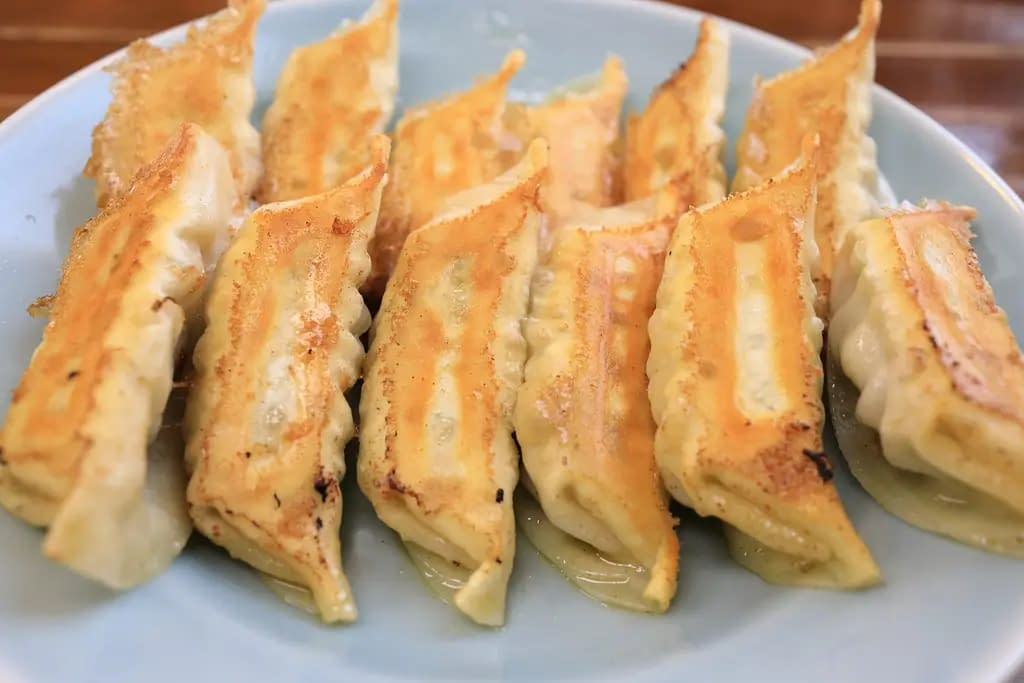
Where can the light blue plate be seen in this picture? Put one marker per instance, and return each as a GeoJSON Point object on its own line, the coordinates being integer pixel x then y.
{"type": "Point", "coordinates": [946, 612]}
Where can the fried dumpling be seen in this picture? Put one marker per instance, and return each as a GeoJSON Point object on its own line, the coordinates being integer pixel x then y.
{"type": "Point", "coordinates": [332, 98]}
{"type": "Point", "coordinates": [75, 441]}
{"type": "Point", "coordinates": [936, 432]}
{"type": "Point", "coordinates": [581, 125]}
{"type": "Point", "coordinates": [678, 138]}
{"type": "Point", "coordinates": [582, 417]}
{"type": "Point", "coordinates": [437, 458]}
{"type": "Point", "coordinates": [206, 80]}
{"type": "Point", "coordinates": [829, 95]}
{"type": "Point", "coordinates": [735, 386]}
{"type": "Point", "coordinates": [267, 419]}
{"type": "Point", "coordinates": [441, 148]}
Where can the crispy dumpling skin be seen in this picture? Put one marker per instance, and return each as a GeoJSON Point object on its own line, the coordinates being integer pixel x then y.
{"type": "Point", "coordinates": [441, 148]}
{"type": "Point", "coordinates": [936, 432]}
{"type": "Point", "coordinates": [332, 98]}
{"type": "Point", "coordinates": [581, 126]}
{"type": "Point", "coordinates": [75, 441]}
{"type": "Point", "coordinates": [735, 386]}
{"type": "Point", "coordinates": [829, 95]}
{"type": "Point", "coordinates": [207, 80]}
{"type": "Point", "coordinates": [267, 419]}
{"type": "Point", "coordinates": [678, 138]}
{"type": "Point", "coordinates": [582, 418]}
{"type": "Point", "coordinates": [437, 458]}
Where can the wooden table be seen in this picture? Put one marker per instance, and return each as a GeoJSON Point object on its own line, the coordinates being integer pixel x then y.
{"type": "Point", "coordinates": [962, 61]}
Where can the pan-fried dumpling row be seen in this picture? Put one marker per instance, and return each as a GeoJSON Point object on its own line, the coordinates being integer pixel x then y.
{"type": "Point", "coordinates": [441, 148]}
{"type": "Point", "coordinates": [678, 138]}
{"type": "Point", "coordinates": [735, 385]}
{"type": "Point", "coordinates": [267, 418]}
{"type": "Point", "coordinates": [581, 125]}
{"type": "Point", "coordinates": [205, 80]}
{"type": "Point", "coordinates": [829, 95]}
{"type": "Point", "coordinates": [75, 441]}
{"type": "Point", "coordinates": [332, 98]}
{"type": "Point", "coordinates": [936, 433]}
{"type": "Point", "coordinates": [437, 458]}
{"type": "Point", "coordinates": [582, 417]}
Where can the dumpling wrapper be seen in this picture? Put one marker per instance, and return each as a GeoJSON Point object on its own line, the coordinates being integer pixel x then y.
{"type": "Point", "coordinates": [582, 417]}
{"type": "Point", "coordinates": [936, 433]}
{"type": "Point", "coordinates": [332, 98]}
{"type": "Point", "coordinates": [437, 458]}
{"type": "Point", "coordinates": [829, 95]}
{"type": "Point", "coordinates": [678, 138]}
{"type": "Point", "coordinates": [581, 125]}
{"type": "Point", "coordinates": [207, 80]}
{"type": "Point", "coordinates": [440, 148]}
{"type": "Point", "coordinates": [267, 420]}
{"type": "Point", "coordinates": [75, 441]}
{"type": "Point", "coordinates": [735, 386]}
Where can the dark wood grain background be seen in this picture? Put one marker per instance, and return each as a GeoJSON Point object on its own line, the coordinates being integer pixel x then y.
{"type": "Point", "coordinates": [962, 61]}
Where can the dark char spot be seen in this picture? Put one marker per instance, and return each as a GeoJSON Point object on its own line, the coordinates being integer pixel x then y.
{"type": "Point", "coordinates": [319, 524]}
{"type": "Point", "coordinates": [499, 496]}
{"type": "Point", "coordinates": [931, 337]}
{"type": "Point", "coordinates": [821, 462]}
{"type": "Point", "coordinates": [321, 485]}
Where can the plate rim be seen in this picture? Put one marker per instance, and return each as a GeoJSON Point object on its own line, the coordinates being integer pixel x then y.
{"type": "Point", "coordinates": [918, 116]}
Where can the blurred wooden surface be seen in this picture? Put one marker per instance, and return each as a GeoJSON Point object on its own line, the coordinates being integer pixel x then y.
{"type": "Point", "coordinates": [962, 61]}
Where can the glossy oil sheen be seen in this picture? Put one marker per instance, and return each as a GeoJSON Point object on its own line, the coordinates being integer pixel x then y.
{"type": "Point", "coordinates": [610, 582]}
{"type": "Point", "coordinates": [946, 612]}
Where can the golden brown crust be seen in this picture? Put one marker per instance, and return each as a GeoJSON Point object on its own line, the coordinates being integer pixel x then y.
{"type": "Point", "coordinates": [74, 451]}
{"type": "Point", "coordinates": [441, 148]}
{"type": "Point", "coordinates": [267, 419]}
{"type": "Point", "coordinates": [583, 420]}
{"type": "Point", "coordinates": [827, 95]}
{"type": "Point", "coordinates": [678, 138]}
{"type": "Point", "coordinates": [206, 80]}
{"type": "Point", "coordinates": [436, 453]}
{"type": "Point", "coordinates": [736, 380]}
{"type": "Point", "coordinates": [332, 98]}
{"type": "Point", "coordinates": [104, 256]}
{"type": "Point", "coordinates": [767, 449]}
{"type": "Point", "coordinates": [932, 418]}
{"type": "Point", "coordinates": [959, 317]}
{"type": "Point", "coordinates": [582, 129]}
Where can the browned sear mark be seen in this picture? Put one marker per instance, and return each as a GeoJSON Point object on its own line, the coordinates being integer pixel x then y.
{"type": "Point", "coordinates": [340, 227]}
{"type": "Point", "coordinates": [931, 337]}
{"type": "Point", "coordinates": [822, 463]}
{"type": "Point", "coordinates": [322, 485]}
{"type": "Point", "coordinates": [40, 308]}
{"type": "Point", "coordinates": [158, 304]}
